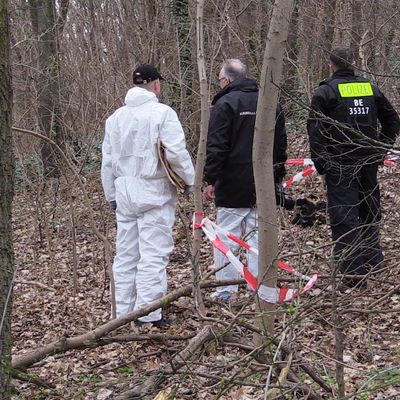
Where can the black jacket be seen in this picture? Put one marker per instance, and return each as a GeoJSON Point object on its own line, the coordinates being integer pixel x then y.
{"type": "Point", "coordinates": [229, 164]}
{"type": "Point", "coordinates": [332, 145]}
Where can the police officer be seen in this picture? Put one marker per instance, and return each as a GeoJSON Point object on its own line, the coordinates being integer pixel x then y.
{"type": "Point", "coordinates": [347, 146]}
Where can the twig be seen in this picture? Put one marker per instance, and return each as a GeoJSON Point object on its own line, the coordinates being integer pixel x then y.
{"type": "Point", "coordinates": [159, 337]}
{"type": "Point", "coordinates": [339, 338]}
{"type": "Point", "coordinates": [91, 339]}
{"type": "Point", "coordinates": [25, 377]}
{"type": "Point", "coordinates": [308, 370]}
{"type": "Point", "coordinates": [151, 383]}
{"type": "Point", "coordinates": [91, 216]}
{"type": "Point", "coordinates": [34, 283]}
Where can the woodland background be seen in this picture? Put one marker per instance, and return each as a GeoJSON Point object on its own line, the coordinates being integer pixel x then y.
{"type": "Point", "coordinates": [75, 58]}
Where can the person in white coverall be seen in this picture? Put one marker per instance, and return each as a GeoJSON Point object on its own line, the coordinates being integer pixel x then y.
{"type": "Point", "coordinates": [135, 182]}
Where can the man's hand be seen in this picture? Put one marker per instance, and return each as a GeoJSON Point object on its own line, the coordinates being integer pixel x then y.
{"type": "Point", "coordinates": [113, 205]}
{"type": "Point", "coordinates": [209, 193]}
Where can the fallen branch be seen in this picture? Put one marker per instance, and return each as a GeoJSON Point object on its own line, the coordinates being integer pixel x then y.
{"type": "Point", "coordinates": [307, 369]}
{"type": "Point", "coordinates": [275, 392]}
{"type": "Point", "coordinates": [159, 337]}
{"type": "Point", "coordinates": [91, 339]}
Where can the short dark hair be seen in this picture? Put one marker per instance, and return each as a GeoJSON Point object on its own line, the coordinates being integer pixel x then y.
{"type": "Point", "coordinates": [342, 58]}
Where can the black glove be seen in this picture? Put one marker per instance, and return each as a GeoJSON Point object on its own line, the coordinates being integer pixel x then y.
{"type": "Point", "coordinates": [113, 205]}
{"type": "Point", "coordinates": [307, 214]}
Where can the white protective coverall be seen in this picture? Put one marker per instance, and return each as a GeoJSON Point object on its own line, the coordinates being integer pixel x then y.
{"type": "Point", "coordinates": [133, 176]}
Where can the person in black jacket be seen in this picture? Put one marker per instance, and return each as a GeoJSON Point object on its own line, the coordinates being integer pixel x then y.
{"type": "Point", "coordinates": [347, 147]}
{"type": "Point", "coordinates": [229, 165]}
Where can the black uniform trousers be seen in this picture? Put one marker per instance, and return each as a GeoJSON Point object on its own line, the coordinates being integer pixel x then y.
{"type": "Point", "coordinates": [354, 210]}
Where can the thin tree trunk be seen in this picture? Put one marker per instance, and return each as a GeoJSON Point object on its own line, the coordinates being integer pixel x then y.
{"type": "Point", "coordinates": [45, 28]}
{"type": "Point", "coordinates": [201, 152]}
{"type": "Point", "coordinates": [337, 325]}
{"type": "Point", "coordinates": [263, 157]}
{"type": "Point", "coordinates": [356, 31]}
{"type": "Point", "coordinates": [6, 196]}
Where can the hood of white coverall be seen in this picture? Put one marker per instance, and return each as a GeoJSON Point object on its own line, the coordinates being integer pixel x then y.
{"type": "Point", "coordinates": [138, 96]}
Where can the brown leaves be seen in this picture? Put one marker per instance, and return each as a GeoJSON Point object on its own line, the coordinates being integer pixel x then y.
{"type": "Point", "coordinates": [41, 315]}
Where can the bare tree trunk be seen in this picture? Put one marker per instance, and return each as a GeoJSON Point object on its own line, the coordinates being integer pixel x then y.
{"type": "Point", "coordinates": [201, 152]}
{"type": "Point", "coordinates": [6, 196]}
{"type": "Point", "coordinates": [263, 156]}
{"type": "Point", "coordinates": [45, 28]}
{"type": "Point", "coordinates": [356, 21]}
{"type": "Point", "coordinates": [291, 79]}
{"type": "Point", "coordinates": [181, 17]}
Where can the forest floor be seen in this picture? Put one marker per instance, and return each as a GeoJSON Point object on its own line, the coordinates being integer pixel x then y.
{"type": "Point", "coordinates": [66, 306]}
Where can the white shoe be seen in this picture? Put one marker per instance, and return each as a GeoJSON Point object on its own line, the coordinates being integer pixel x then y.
{"type": "Point", "coordinates": [221, 296]}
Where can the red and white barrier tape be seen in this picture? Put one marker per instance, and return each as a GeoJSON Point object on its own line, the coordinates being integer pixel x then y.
{"type": "Point", "coordinates": [299, 176]}
{"type": "Point", "coordinates": [269, 294]}
{"type": "Point", "coordinates": [393, 155]}
{"type": "Point", "coordinates": [305, 162]}
{"type": "Point", "coordinates": [391, 160]}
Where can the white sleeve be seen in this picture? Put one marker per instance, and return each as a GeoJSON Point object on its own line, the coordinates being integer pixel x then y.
{"type": "Point", "coordinates": [173, 138]}
{"type": "Point", "coordinates": [107, 176]}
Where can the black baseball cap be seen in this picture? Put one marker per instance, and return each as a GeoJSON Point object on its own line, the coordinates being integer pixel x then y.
{"type": "Point", "coordinates": [145, 73]}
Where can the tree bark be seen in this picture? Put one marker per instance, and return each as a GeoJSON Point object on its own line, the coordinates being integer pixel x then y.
{"type": "Point", "coordinates": [356, 32]}
{"type": "Point", "coordinates": [201, 152]}
{"type": "Point", "coordinates": [45, 28]}
{"type": "Point", "coordinates": [6, 196]}
{"type": "Point", "coordinates": [263, 156]}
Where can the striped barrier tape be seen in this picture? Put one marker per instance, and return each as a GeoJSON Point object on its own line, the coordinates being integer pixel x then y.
{"type": "Point", "coordinates": [299, 176]}
{"type": "Point", "coordinates": [305, 162]}
{"type": "Point", "coordinates": [245, 245]}
{"type": "Point", "coordinates": [393, 155]}
{"type": "Point", "coordinates": [391, 160]}
{"type": "Point", "coordinates": [269, 294]}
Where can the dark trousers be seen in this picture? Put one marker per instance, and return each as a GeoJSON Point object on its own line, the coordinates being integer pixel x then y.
{"type": "Point", "coordinates": [354, 210]}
